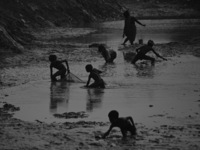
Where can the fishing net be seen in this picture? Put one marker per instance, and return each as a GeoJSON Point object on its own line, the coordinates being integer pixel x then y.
{"type": "Point", "coordinates": [70, 77]}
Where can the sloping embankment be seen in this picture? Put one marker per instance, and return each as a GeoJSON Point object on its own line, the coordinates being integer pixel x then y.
{"type": "Point", "coordinates": [16, 16]}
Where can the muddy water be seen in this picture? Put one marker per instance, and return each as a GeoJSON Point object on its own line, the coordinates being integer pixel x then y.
{"type": "Point", "coordinates": [167, 93]}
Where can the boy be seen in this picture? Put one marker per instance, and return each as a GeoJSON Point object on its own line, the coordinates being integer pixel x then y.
{"type": "Point", "coordinates": [130, 27]}
{"type": "Point", "coordinates": [141, 53]}
{"type": "Point", "coordinates": [109, 56]}
{"type": "Point", "coordinates": [124, 123]}
{"type": "Point", "coordinates": [59, 66]}
{"type": "Point", "coordinates": [94, 74]}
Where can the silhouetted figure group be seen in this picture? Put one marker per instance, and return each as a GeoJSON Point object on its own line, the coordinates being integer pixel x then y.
{"type": "Point", "coordinates": [124, 123]}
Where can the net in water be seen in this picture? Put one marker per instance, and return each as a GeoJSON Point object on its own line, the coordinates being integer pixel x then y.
{"type": "Point", "coordinates": [70, 77]}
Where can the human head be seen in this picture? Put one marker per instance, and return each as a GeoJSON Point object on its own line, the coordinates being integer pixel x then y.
{"type": "Point", "coordinates": [126, 14]}
{"type": "Point", "coordinates": [113, 115]}
{"type": "Point", "coordinates": [88, 68]}
{"type": "Point", "coordinates": [52, 58]}
{"type": "Point", "coordinates": [150, 43]}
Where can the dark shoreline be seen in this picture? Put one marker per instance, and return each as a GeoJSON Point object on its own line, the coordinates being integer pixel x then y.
{"type": "Point", "coordinates": [167, 17]}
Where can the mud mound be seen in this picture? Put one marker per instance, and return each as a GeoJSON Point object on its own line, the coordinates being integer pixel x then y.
{"type": "Point", "coordinates": [160, 9]}
{"type": "Point", "coordinates": [18, 16]}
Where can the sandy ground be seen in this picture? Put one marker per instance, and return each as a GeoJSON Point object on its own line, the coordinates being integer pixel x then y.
{"type": "Point", "coordinates": [19, 134]}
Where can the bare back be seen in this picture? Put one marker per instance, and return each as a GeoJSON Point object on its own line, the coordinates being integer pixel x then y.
{"type": "Point", "coordinates": [144, 49]}
{"type": "Point", "coordinates": [58, 65]}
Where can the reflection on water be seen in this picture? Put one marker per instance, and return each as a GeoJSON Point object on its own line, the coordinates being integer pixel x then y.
{"type": "Point", "coordinates": [109, 69]}
{"type": "Point", "coordinates": [144, 70]}
{"type": "Point", "coordinates": [94, 98]}
{"type": "Point", "coordinates": [59, 95]}
{"type": "Point", "coordinates": [62, 97]}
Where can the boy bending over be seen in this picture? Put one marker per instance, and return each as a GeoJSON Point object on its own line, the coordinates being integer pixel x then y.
{"type": "Point", "coordinates": [142, 51]}
{"type": "Point", "coordinates": [95, 75]}
{"type": "Point", "coordinates": [59, 66]}
{"type": "Point", "coordinates": [124, 123]}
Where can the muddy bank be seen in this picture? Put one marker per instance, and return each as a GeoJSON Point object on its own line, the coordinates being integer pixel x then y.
{"type": "Point", "coordinates": [17, 134]}
{"type": "Point", "coordinates": [159, 9]}
{"type": "Point", "coordinates": [18, 18]}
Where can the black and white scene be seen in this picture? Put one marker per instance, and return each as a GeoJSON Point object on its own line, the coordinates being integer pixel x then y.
{"type": "Point", "coordinates": [99, 75]}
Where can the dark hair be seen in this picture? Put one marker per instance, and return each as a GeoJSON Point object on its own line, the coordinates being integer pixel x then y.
{"type": "Point", "coordinates": [88, 67]}
{"type": "Point", "coordinates": [113, 114]}
{"type": "Point", "coordinates": [150, 43]}
{"type": "Point", "coordinates": [52, 58]}
{"type": "Point", "coordinates": [126, 14]}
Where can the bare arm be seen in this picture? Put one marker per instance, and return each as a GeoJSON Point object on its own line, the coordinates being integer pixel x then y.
{"type": "Point", "coordinates": [108, 132]}
{"type": "Point", "coordinates": [139, 22]}
{"type": "Point", "coordinates": [67, 66]}
{"type": "Point", "coordinates": [88, 82]}
{"type": "Point", "coordinates": [51, 72]}
{"type": "Point", "coordinates": [66, 62]}
{"type": "Point", "coordinates": [131, 120]}
{"type": "Point", "coordinates": [134, 130]}
{"type": "Point", "coordinates": [158, 54]}
{"type": "Point", "coordinates": [123, 35]}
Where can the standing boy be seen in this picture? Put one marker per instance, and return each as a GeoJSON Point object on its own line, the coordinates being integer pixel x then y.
{"type": "Point", "coordinates": [130, 27]}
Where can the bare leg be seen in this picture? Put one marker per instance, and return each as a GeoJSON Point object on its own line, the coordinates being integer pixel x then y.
{"type": "Point", "coordinates": [125, 41]}
{"type": "Point", "coordinates": [135, 59]}
{"type": "Point", "coordinates": [150, 58]}
{"type": "Point", "coordinates": [60, 73]}
{"type": "Point", "coordinates": [124, 133]}
{"type": "Point", "coordinates": [131, 42]}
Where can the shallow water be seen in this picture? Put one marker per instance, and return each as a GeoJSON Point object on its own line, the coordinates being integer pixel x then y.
{"type": "Point", "coordinates": [167, 93]}
{"type": "Point", "coordinates": [160, 31]}
{"type": "Point", "coordinates": [153, 95]}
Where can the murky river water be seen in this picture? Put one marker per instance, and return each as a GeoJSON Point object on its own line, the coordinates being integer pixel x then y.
{"type": "Point", "coordinates": [164, 94]}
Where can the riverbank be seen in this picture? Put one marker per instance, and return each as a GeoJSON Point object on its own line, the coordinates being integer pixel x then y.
{"type": "Point", "coordinates": [158, 9]}
{"type": "Point", "coordinates": [18, 134]}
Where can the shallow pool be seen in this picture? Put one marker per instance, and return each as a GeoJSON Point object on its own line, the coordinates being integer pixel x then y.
{"type": "Point", "coordinates": [167, 93]}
